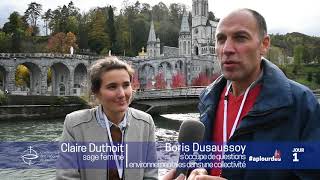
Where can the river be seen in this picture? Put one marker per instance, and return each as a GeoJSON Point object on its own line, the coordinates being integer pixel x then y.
{"type": "Point", "coordinates": [49, 130]}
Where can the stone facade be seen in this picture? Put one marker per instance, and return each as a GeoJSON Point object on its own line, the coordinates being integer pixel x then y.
{"type": "Point", "coordinates": [194, 55]}
{"type": "Point", "coordinates": [69, 73]}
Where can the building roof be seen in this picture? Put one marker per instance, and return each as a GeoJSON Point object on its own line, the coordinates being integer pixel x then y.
{"type": "Point", "coordinates": [184, 23]}
{"type": "Point", "coordinates": [152, 34]}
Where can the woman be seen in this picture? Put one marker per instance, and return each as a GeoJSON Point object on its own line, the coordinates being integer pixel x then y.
{"type": "Point", "coordinates": [111, 84]}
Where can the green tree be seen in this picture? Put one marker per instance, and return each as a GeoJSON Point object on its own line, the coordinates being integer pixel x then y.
{"type": "Point", "coordinates": [15, 29]}
{"type": "Point", "coordinates": [140, 26]}
{"type": "Point", "coordinates": [212, 17]}
{"type": "Point", "coordinates": [5, 42]}
{"type": "Point", "coordinates": [98, 38]}
{"type": "Point", "coordinates": [309, 76]}
{"type": "Point", "coordinates": [72, 24]}
{"type": "Point", "coordinates": [47, 16]}
{"type": "Point", "coordinates": [175, 12]}
{"type": "Point", "coordinates": [112, 31]}
{"type": "Point", "coordinates": [131, 13]}
{"type": "Point", "coordinates": [123, 34]}
{"type": "Point", "coordinates": [317, 78]}
{"type": "Point", "coordinates": [146, 10]}
{"type": "Point", "coordinates": [32, 14]}
{"type": "Point", "coordinates": [73, 10]}
{"type": "Point", "coordinates": [83, 31]}
{"type": "Point", "coordinates": [64, 19]}
{"type": "Point", "coordinates": [160, 12]}
{"type": "Point", "coordinates": [275, 55]}
{"type": "Point", "coordinates": [298, 54]}
{"type": "Point", "coordinates": [54, 23]}
{"type": "Point", "coordinates": [306, 56]}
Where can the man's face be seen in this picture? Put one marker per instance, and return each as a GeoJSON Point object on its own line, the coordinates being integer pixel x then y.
{"type": "Point", "coordinates": [239, 47]}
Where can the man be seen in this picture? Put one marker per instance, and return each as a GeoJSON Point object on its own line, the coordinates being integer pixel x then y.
{"type": "Point", "coordinates": [253, 100]}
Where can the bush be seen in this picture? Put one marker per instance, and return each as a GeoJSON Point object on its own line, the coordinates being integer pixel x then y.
{"type": "Point", "coordinates": [309, 77]}
{"type": "Point", "coordinates": [61, 100]}
{"type": "Point", "coordinates": [3, 99]}
{"type": "Point", "coordinates": [318, 78]}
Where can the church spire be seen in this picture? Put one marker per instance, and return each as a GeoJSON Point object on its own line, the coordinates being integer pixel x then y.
{"type": "Point", "coordinates": [152, 34]}
{"type": "Point", "coordinates": [184, 23]}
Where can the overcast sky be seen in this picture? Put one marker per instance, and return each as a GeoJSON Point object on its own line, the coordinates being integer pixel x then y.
{"type": "Point", "coordinates": [282, 16]}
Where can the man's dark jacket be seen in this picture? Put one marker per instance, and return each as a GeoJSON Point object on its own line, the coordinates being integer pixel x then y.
{"type": "Point", "coordinates": [284, 111]}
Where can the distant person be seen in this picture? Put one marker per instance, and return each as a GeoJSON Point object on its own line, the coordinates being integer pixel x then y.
{"type": "Point", "coordinates": [275, 109]}
{"type": "Point", "coordinates": [111, 84]}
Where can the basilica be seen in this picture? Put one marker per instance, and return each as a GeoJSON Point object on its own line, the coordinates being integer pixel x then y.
{"type": "Point", "coordinates": [194, 54]}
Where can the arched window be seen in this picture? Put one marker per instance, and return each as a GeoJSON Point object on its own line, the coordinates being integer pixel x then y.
{"type": "Point", "coordinates": [62, 90]}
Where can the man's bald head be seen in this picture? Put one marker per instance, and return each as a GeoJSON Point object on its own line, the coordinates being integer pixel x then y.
{"type": "Point", "coordinates": [260, 21]}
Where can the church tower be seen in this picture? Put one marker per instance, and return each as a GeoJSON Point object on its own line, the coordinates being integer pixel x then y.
{"type": "Point", "coordinates": [153, 44]}
{"type": "Point", "coordinates": [199, 26]}
{"type": "Point", "coordinates": [185, 37]}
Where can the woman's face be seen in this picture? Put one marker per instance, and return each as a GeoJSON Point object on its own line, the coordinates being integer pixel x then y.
{"type": "Point", "coordinates": [115, 92]}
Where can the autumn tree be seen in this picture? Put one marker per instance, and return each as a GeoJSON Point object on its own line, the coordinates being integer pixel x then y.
{"type": "Point", "coordinates": [201, 80]}
{"type": "Point", "coordinates": [22, 76]}
{"type": "Point", "coordinates": [55, 43]}
{"type": "Point", "coordinates": [178, 80]}
{"type": "Point", "coordinates": [214, 77]}
{"type": "Point", "coordinates": [149, 84]}
{"type": "Point", "coordinates": [160, 81]}
{"type": "Point", "coordinates": [49, 76]}
{"type": "Point", "coordinates": [61, 42]}
{"type": "Point", "coordinates": [70, 41]}
{"type": "Point", "coordinates": [135, 82]}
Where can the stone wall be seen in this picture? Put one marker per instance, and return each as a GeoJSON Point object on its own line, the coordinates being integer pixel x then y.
{"type": "Point", "coordinates": [39, 107]}
{"type": "Point", "coordinates": [32, 112]}
{"type": "Point", "coordinates": [170, 51]}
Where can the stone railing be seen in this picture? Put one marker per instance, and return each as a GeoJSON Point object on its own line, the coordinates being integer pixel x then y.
{"type": "Point", "coordinates": [168, 93]}
{"type": "Point", "coordinates": [156, 58]}
{"type": "Point", "coordinates": [47, 55]}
